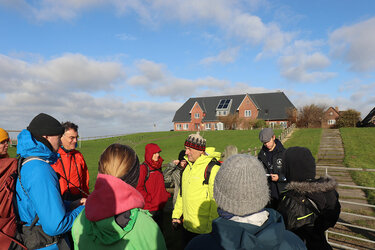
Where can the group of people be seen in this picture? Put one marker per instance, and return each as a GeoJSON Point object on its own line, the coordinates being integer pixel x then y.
{"type": "Point", "coordinates": [242, 202]}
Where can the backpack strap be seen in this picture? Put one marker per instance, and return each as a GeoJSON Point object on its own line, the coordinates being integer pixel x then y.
{"type": "Point", "coordinates": [20, 163]}
{"type": "Point", "coordinates": [208, 170]}
{"type": "Point", "coordinates": [147, 174]}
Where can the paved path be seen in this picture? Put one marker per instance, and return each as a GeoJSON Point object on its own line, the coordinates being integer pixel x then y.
{"type": "Point", "coordinates": [331, 154]}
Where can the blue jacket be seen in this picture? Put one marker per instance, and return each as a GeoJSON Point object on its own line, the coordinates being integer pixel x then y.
{"type": "Point", "coordinates": [228, 234]}
{"type": "Point", "coordinates": [43, 196]}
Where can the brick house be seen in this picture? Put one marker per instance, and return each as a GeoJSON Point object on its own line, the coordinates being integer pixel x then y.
{"type": "Point", "coordinates": [206, 113]}
{"type": "Point", "coordinates": [330, 117]}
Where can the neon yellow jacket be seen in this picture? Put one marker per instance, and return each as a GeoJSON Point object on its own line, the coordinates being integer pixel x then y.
{"type": "Point", "coordinates": [197, 204]}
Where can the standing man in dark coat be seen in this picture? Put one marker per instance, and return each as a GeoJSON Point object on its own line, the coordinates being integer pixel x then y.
{"type": "Point", "coordinates": [271, 156]}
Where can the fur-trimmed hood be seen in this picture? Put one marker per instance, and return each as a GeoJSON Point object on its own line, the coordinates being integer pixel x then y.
{"type": "Point", "coordinates": [321, 185]}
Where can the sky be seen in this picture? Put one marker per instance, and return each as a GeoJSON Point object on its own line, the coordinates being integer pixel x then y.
{"type": "Point", "coordinates": [125, 66]}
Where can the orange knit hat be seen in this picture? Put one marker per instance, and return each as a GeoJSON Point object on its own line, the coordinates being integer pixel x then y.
{"type": "Point", "coordinates": [3, 135]}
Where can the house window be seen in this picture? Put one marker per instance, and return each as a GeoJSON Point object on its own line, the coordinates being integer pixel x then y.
{"type": "Point", "coordinates": [196, 115]}
{"type": "Point", "coordinates": [272, 124]}
{"type": "Point", "coordinates": [186, 126]}
{"type": "Point", "coordinates": [247, 113]}
{"type": "Point", "coordinates": [178, 126]}
{"type": "Point", "coordinates": [331, 122]}
{"type": "Point", "coordinates": [284, 124]}
{"type": "Point", "coordinates": [331, 113]}
{"type": "Point", "coordinates": [223, 104]}
{"type": "Point", "coordinates": [208, 126]}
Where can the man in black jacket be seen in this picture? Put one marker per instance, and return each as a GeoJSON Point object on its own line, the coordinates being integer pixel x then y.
{"type": "Point", "coordinates": [271, 156]}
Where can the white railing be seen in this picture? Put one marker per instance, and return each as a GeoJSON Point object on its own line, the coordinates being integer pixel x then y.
{"type": "Point", "coordinates": [369, 240]}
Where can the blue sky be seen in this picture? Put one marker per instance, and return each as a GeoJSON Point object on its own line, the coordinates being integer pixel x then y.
{"type": "Point", "coordinates": [121, 66]}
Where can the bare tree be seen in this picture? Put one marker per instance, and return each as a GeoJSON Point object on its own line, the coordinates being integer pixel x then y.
{"type": "Point", "coordinates": [310, 116]}
{"type": "Point", "coordinates": [229, 121]}
{"type": "Point", "coordinates": [348, 118]}
{"type": "Point", "coordinates": [292, 115]}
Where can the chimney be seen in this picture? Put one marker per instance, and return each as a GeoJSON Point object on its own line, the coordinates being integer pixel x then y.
{"type": "Point", "coordinates": [337, 109]}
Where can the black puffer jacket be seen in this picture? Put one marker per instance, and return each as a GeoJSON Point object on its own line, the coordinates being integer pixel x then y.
{"type": "Point", "coordinates": [323, 193]}
{"type": "Point", "coordinates": [273, 164]}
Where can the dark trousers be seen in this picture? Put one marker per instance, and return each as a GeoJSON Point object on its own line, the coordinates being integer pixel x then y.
{"type": "Point", "coordinates": [187, 236]}
{"type": "Point", "coordinates": [158, 218]}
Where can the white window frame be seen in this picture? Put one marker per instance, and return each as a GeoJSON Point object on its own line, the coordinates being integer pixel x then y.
{"type": "Point", "coordinates": [331, 122]}
{"type": "Point", "coordinates": [196, 115]}
{"type": "Point", "coordinates": [178, 126]}
{"type": "Point", "coordinates": [207, 126]}
{"type": "Point", "coordinates": [186, 126]}
{"type": "Point", "coordinates": [247, 113]}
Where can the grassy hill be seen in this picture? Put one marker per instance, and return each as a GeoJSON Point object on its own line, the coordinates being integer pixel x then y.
{"type": "Point", "coordinates": [359, 146]}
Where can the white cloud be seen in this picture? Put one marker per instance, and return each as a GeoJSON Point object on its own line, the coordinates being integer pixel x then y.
{"type": "Point", "coordinates": [301, 62]}
{"type": "Point", "coordinates": [225, 57]}
{"type": "Point", "coordinates": [355, 45]}
{"type": "Point", "coordinates": [70, 71]}
{"type": "Point", "coordinates": [228, 16]}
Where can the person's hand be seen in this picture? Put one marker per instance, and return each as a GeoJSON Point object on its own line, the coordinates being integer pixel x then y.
{"type": "Point", "coordinates": [77, 203]}
{"type": "Point", "coordinates": [274, 177]}
{"type": "Point", "coordinates": [176, 223]}
{"type": "Point", "coordinates": [175, 162]}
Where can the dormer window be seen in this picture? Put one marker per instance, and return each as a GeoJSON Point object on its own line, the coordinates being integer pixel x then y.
{"type": "Point", "coordinates": [196, 115]}
{"type": "Point", "coordinates": [223, 104]}
{"type": "Point", "coordinates": [223, 107]}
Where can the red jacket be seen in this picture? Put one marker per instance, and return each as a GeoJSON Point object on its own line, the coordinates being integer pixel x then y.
{"type": "Point", "coordinates": [72, 166]}
{"type": "Point", "coordinates": [153, 190]}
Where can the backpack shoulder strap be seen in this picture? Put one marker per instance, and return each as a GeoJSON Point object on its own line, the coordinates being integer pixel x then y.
{"type": "Point", "coordinates": [21, 162]}
{"type": "Point", "coordinates": [208, 170]}
{"type": "Point", "coordinates": [147, 174]}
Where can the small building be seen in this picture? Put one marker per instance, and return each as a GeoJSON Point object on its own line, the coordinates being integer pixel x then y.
{"type": "Point", "coordinates": [208, 113]}
{"type": "Point", "coordinates": [330, 117]}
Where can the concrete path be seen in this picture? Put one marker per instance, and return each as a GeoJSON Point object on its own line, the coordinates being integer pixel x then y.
{"type": "Point", "coordinates": [331, 154]}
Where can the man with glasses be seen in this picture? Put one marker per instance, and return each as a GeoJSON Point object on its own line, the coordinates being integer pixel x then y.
{"type": "Point", "coordinates": [71, 166]}
{"type": "Point", "coordinates": [4, 143]}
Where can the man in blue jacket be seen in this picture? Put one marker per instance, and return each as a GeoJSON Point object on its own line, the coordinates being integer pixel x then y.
{"type": "Point", "coordinates": [40, 206]}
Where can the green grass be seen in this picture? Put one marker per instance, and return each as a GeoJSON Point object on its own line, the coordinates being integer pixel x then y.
{"type": "Point", "coordinates": [359, 146]}
{"type": "Point", "coordinates": [309, 138]}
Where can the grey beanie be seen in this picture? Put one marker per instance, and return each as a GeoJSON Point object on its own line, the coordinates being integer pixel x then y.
{"type": "Point", "coordinates": [241, 185]}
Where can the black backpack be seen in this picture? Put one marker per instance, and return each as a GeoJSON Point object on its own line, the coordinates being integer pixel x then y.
{"type": "Point", "coordinates": [148, 173]}
{"type": "Point", "coordinates": [207, 172]}
{"type": "Point", "coordinates": [297, 210]}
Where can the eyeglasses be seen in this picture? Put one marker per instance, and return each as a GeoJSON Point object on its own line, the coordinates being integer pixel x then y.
{"type": "Point", "coordinates": [73, 137]}
{"type": "Point", "coordinates": [5, 141]}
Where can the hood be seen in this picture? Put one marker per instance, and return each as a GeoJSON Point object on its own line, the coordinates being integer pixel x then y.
{"type": "Point", "coordinates": [107, 232]}
{"type": "Point", "coordinates": [150, 150]}
{"type": "Point", "coordinates": [235, 235]}
{"type": "Point", "coordinates": [111, 196]}
{"type": "Point", "coordinates": [27, 146]}
{"type": "Point", "coordinates": [321, 185]}
{"type": "Point", "coordinates": [279, 146]}
{"type": "Point", "coordinates": [211, 153]}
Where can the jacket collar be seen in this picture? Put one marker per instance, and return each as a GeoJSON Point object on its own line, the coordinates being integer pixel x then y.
{"type": "Point", "coordinates": [321, 185]}
{"type": "Point", "coordinates": [111, 196]}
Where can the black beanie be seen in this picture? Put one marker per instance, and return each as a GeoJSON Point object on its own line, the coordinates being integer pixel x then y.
{"type": "Point", "coordinates": [181, 155]}
{"type": "Point", "coordinates": [299, 164]}
{"type": "Point", "coordinates": [44, 124]}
